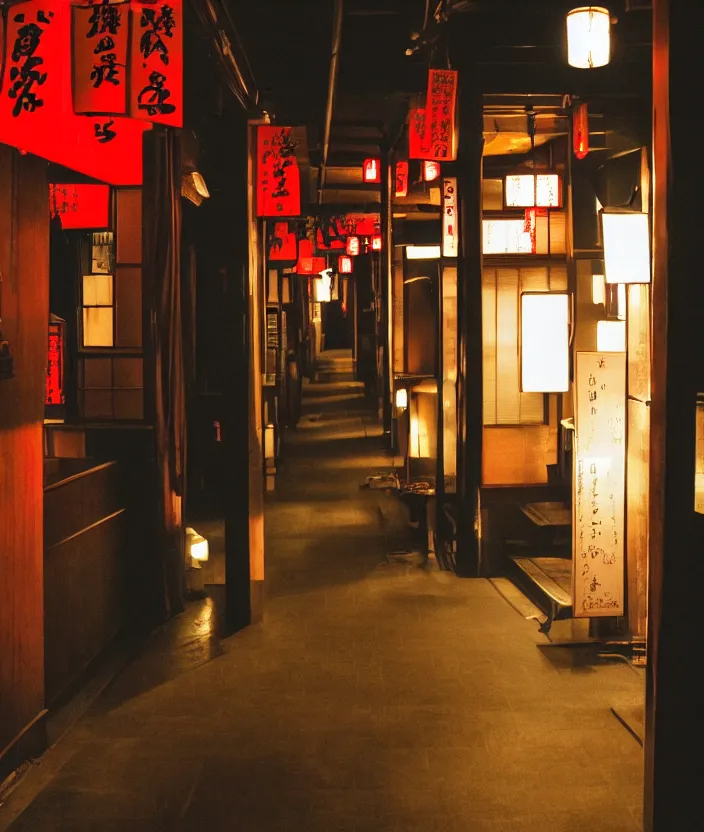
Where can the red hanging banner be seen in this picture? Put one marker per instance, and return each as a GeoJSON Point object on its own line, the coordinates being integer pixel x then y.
{"type": "Point", "coordinates": [283, 243]}
{"type": "Point", "coordinates": [401, 188]}
{"type": "Point", "coordinates": [580, 132]}
{"type": "Point", "coordinates": [36, 108]}
{"type": "Point", "coordinates": [440, 108]}
{"type": "Point", "coordinates": [100, 41]}
{"type": "Point", "coordinates": [80, 205]}
{"type": "Point", "coordinates": [417, 146]}
{"type": "Point", "coordinates": [278, 177]}
{"type": "Point", "coordinates": [54, 386]}
{"type": "Point", "coordinates": [156, 62]}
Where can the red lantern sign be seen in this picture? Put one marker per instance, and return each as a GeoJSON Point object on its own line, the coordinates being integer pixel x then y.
{"type": "Point", "coordinates": [156, 65]}
{"type": "Point", "coordinates": [278, 176]}
{"type": "Point", "coordinates": [431, 171]}
{"type": "Point", "coordinates": [441, 102]}
{"type": "Point", "coordinates": [54, 386]}
{"type": "Point", "coordinates": [36, 107]}
{"type": "Point", "coordinates": [344, 264]}
{"type": "Point", "coordinates": [80, 205]}
{"type": "Point", "coordinates": [377, 242]}
{"type": "Point", "coordinates": [417, 146]}
{"type": "Point", "coordinates": [352, 246]}
{"type": "Point", "coordinates": [401, 179]}
{"type": "Point", "coordinates": [99, 48]}
{"type": "Point", "coordinates": [371, 171]}
{"type": "Point", "coordinates": [580, 131]}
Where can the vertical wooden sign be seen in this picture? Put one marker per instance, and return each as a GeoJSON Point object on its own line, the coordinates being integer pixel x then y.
{"type": "Point", "coordinates": [599, 485]}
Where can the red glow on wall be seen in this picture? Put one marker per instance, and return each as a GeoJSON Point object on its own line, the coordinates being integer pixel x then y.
{"type": "Point", "coordinates": [344, 264]}
{"type": "Point", "coordinates": [431, 171]}
{"type": "Point", "coordinates": [352, 246]}
{"type": "Point", "coordinates": [371, 171]}
{"type": "Point", "coordinates": [36, 107]}
{"type": "Point", "coordinates": [100, 46]}
{"type": "Point", "coordinates": [283, 244]}
{"type": "Point", "coordinates": [54, 389]}
{"type": "Point", "coordinates": [156, 65]}
{"type": "Point", "coordinates": [80, 206]}
{"type": "Point", "coordinates": [377, 242]}
{"type": "Point", "coordinates": [580, 132]}
{"type": "Point", "coordinates": [278, 176]}
{"type": "Point", "coordinates": [401, 177]}
{"type": "Point", "coordinates": [307, 262]}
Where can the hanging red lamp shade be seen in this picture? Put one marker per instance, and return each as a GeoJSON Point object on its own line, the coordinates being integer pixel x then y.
{"type": "Point", "coordinates": [580, 131]}
{"type": "Point", "coordinates": [371, 171]}
{"type": "Point", "coordinates": [377, 242]}
{"type": "Point", "coordinates": [401, 188]}
{"type": "Point", "coordinates": [353, 246]}
{"type": "Point", "coordinates": [431, 171]}
{"type": "Point", "coordinates": [344, 264]}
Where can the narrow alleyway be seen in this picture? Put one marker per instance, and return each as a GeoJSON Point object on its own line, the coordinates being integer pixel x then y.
{"type": "Point", "coordinates": [377, 695]}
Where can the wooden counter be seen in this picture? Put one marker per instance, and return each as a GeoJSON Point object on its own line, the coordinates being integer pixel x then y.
{"type": "Point", "coordinates": [85, 567]}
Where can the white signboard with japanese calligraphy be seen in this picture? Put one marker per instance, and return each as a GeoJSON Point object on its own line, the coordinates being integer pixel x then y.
{"type": "Point", "coordinates": [599, 485]}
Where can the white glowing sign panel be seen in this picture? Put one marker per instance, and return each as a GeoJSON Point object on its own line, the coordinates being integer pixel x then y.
{"type": "Point", "coordinates": [626, 239]}
{"type": "Point", "coordinates": [545, 363]}
{"type": "Point", "coordinates": [506, 237]}
{"type": "Point", "coordinates": [532, 191]}
{"type": "Point", "coordinates": [449, 217]}
{"type": "Point", "coordinates": [599, 485]}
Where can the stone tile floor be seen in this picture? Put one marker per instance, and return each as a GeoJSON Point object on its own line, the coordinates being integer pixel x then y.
{"type": "Point", "coordinates": [375, 695]}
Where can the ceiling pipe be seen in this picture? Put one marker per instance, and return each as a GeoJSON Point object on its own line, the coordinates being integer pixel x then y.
{"type": "Point", "coordinates": [332, 85]}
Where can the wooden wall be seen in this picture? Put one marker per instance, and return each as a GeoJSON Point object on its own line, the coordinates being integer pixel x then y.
{"type": "Point", "coordinates": [24, 269]}
{"type": "Point", "coordinates": [519, 455]}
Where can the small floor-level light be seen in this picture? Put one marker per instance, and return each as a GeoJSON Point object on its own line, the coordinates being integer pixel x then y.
{"type": "Point", "coordinates": [545, 352]}
{"type": "Point", "coordinates": [588, 37]}
{"type": "Point", "coordinates": [626, 239]}
{"type": "Point", "coordinates": [197, 548]}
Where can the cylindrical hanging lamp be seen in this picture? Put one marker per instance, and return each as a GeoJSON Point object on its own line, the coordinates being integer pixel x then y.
{"type": "Point", "coordinates": [588, 37]}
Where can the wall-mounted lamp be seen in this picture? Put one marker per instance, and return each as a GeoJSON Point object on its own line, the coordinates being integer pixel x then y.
{"type": "Point", "coordinates": [545, 319]}
{"type": "Point", "coordinates": [344, 264]}
{"type": "Point", "coordinates": [430, 171]}
{"type": "Point", "coordinates": [588, 37]}
{"type": "Point", "coordinates": [371, 171]}
{"type": "Point", "coordinates": [626, 238]}
{"type": "Point", "coordinates": [401, 398]}
{"type": "Point", "coordinates": [352, 247]}
{"type": "Point", "coordinates": [377, 242]}
{"type": "Point", "coordinates": [611, 336]}
{"type": "Point", "coordinates": [196, 546]}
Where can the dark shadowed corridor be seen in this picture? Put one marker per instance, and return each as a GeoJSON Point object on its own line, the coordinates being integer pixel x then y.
{"type": "Point", "coordinates": [377, 695]}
